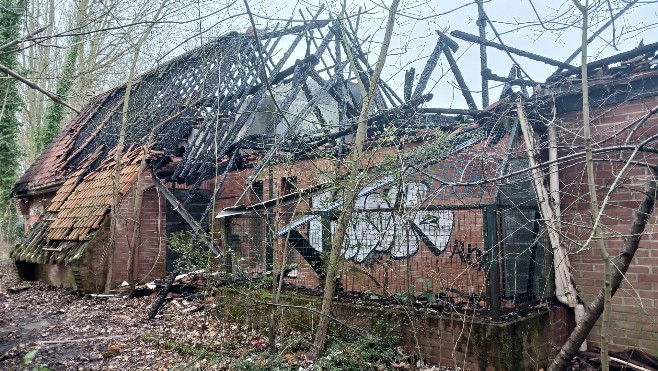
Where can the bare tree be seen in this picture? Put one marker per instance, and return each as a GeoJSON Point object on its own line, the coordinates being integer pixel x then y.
{"type": "Point", "coordinates": [353, 186]}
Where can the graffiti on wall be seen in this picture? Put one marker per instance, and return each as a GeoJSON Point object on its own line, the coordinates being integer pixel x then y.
{"type": "Point", "coordinates": [469, 255]}
{"type": "Point", "coordinates": [378, 226]}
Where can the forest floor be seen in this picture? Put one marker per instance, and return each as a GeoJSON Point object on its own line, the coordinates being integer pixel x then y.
{"type": "Point", "coordinates": [57, 329]}
{"type": "Point", "coordinates": [46, 328]}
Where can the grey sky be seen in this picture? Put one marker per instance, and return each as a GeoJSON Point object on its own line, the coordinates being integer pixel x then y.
{"type": "Point", "coordinates": [415, 37]}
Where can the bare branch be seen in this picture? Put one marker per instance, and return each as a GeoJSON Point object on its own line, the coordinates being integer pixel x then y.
{"type": "Point", "coordinates": [34, 86]}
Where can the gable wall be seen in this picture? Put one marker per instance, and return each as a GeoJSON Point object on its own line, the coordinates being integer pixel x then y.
{"type": "Point", "coordinates": [635, 305]}
{"type": "Point", "coordinates": [150, 253]}
{"type": "Point", "coordinates": [30, 208]}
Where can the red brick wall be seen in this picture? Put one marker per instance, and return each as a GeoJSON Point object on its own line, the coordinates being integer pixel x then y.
{"type": "Point", "coordinates": [449, 341]}
{"type": "Point", "coordinates": [444, 272]}
{"type": "Point", "coordinates": [150, 252]}
{"type": "Point", "coordinates": [92, 266]}
{"type": "Point", "coordinates": [635, 305]}
{"type": "Point", "coordinates": [30, 208]}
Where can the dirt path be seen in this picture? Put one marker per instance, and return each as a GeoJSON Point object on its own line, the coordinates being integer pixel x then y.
{"type": "Point", "coordinates": [73, 332]}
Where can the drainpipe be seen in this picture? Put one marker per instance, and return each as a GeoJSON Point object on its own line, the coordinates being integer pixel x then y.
{"type": "Point", "coordinates": [565, 291]}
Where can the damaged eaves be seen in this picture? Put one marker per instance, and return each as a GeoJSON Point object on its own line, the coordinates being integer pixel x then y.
{"type": "Point", "coordinates": [78, 211]}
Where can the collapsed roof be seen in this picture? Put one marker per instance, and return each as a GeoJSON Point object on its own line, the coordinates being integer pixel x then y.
{"type": "Point", "coordinates": [213, 108]}
{"type": "Point", "coordinates": [216, 99]}
{"type": "Point", "coordinates": [218, 105]}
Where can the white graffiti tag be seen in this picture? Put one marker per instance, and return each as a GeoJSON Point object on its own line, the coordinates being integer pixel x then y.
{"type": "Point", "coordinates": [378, 226]}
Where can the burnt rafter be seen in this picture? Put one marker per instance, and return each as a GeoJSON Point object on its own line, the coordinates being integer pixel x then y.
{"type": "Point", "coordinates": [391, 95]}
{"type": "Point", "coordinates": [244, 101]}
{"type": "Point", "coordinates": [478, 40]}
{"type": "Point", "coordinates": [291, 127]}
{"type": "Point", "coordinates": [513, 81]}
{"type": "Point", "coordinates": [448, 47]}
{"type": "Point", "coordinates": [647, 50]}
{"type": "Point", "coordinates": [428, 69]}
{"type": "Point", "coordinates": [218, 141]}
{"type": "Point", "coordinates": [596, 34]}
{"type": "Point", "coordinates": [514, 78]}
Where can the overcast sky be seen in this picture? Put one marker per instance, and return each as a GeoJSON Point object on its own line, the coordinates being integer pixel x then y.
{"type": "Point", "coordinates": [415, 37]}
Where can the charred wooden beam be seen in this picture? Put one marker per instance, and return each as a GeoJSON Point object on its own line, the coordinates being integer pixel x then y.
{"type": "Point", "coordinates": [351, 124]}
{"type": "Point", "coordinates": [428, 69]}
{"type": "Point", "coordinates": [178, 207]}
{"type": "Point", "coordinates": [316, 110]}
{"type": "Point", "coordinates": [478, 40]}
{"type": "Point", "coordinates": [408, 83]}
{"type": "Point", "coordinates": [356, 46]}
{"type": "Point", "coordinates": [315, 43]}
{"type": "Point", "coordinates": [621, 57]}
{"type": "Point", "coordinates": [511, 81]}
{"type": "Point", "coordinates": [301, 29]}
{"type": "Point", "coordinates": [466, 92]}
{"type": "Point", "coordinates": [453, 111]}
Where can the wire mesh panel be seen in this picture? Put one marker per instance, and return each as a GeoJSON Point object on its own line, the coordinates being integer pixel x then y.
{"type": "Point", "coordinates": [425, 252]}
{"type": "Point", "coordinates": [430, 254]}
{"type": "Point", "coordinates": [524, 261]}
{"type": "Point", "coordinates": [247, 243]}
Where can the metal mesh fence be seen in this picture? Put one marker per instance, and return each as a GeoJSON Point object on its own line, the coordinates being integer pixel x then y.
{"type": "Point", "coordinates": [524, 245]}
{"type": "Point", "coordinates": [435, 255]}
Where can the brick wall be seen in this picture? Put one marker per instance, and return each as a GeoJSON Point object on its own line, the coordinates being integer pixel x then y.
{"type": "Point", "coordinates": [449, 270]}
{"type": "Point", "coordinates": [456, 341]}
{"type": "Point", "coordinates": [30, 208]}
{"type": "Point", "coordinates": [92, 267]}
{"type": "Point", "coordinates": [635, 305]}
{"type": "Point", "coordinates": [456, 269]}
{"type": "Point", "coordinates": [150, 251]}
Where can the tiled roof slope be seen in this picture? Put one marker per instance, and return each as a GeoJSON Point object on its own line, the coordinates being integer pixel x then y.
{"type": "Point", "coordinates": [87, 204]}
{"type": "Point", "coordinates": [48, 168]}
{"type": "Point", "coordinates": [78, 210]}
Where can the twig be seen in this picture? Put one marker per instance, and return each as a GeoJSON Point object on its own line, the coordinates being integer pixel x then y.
{"type": "Point", "coordinates": [22, 39]}
{"type": "Point", "coordinates": [631, 365]}
{"type": "Point", "coordinates": [78, 340]}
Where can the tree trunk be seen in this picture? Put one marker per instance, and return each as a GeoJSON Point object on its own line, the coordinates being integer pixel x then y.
{"type": "Point", "coordinates": [117, 158]}
{"type": "Point", "coordinates": [353, 187]}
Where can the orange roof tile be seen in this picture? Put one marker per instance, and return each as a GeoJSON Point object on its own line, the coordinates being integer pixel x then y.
{"type": "Point", "coordinates": [81, 204]}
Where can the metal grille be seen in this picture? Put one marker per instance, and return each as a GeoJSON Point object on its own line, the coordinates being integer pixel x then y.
{"type": "Point", "coordinates": [524, 247]}
{"type": "Point", "coordinates": [435, 255]}
{"type": "Point", "coordinates": [430, 252]}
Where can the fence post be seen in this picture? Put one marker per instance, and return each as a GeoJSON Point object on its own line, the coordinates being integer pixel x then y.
{"type": "Point", "coordinates": [270, 239]}
{"type": "Point", "coordinates": [270, 232]}
{"type": "Point", "coordinates": [326, 231]}
{"type": "Point", "coordinates": [493, 253]}
{"type": "Point", "coordinates": [228, 245]}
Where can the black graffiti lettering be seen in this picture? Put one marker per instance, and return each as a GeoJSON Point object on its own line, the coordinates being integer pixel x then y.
{"type": "Point", "coordinates": [457, 249]}
{"type": "Point", "coordinates": [468, 255]}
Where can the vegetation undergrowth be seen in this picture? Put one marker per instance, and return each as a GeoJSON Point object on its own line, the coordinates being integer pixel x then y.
{"type": "Point", "coordinates": [376, 351]}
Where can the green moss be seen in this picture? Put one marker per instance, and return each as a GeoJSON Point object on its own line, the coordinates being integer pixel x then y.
{"type": "Point", "coordinates": [505, 346]}
{"type": "Point", "coordinates": [511, 342]}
